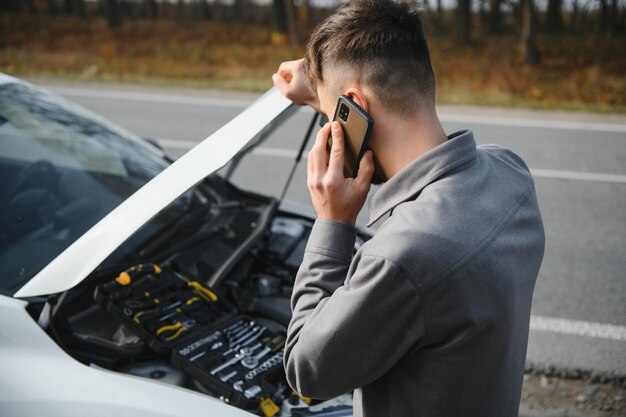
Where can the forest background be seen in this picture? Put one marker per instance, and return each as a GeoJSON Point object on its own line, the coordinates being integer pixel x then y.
{"type": "Point", "coordinates": [565, 54]}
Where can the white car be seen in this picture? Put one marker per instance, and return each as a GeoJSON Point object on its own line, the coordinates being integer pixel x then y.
{"type": "Point", "coordinates": [131, 285]}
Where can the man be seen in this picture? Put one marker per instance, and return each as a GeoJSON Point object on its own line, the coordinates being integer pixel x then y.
{"type": "Point", "coordinates": [429, 317]}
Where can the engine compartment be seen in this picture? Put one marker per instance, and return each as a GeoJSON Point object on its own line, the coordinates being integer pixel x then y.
{"type": "Point", "coordinates": [185, 320]}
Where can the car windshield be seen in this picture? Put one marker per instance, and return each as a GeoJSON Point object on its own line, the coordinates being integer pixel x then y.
{"type": "Point", "coordinates": [62, 169]}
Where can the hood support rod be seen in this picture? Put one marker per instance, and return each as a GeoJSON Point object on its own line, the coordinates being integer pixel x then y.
{"type": "Point", "coordinates": [298, 156]}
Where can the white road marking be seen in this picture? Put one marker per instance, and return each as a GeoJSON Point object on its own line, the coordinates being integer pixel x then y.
{"type": "Point", "coordinates": [283, 153]}
{"type": "Point", "coordinates": [535, 123]}
{"type": "Point", "coordinates": [577, 175]}
{"type": "Point", "coordinates": [151, 97]}
{"type": "Point", "coordinates": [537, 172]}
{"type": "Point", "coordinates": [240, 104]}
{"type": "Point", "coordinates": [578, 328]}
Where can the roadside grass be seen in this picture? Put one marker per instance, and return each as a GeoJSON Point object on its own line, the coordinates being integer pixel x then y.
{"type": "Point", "coordinates": [577, 73]}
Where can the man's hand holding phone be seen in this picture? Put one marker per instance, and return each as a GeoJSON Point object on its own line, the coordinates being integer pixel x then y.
{"type": "Point", "coordinates": [334, 196]}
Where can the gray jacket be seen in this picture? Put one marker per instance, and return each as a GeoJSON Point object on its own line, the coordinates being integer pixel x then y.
{"type": "Point", "coordinates": [430, 316]}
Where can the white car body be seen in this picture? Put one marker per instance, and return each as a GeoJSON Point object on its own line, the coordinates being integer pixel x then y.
{"type": "Point", "coordinates": [37, 377]}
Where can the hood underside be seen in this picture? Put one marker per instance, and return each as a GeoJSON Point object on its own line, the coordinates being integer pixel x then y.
{"type": "Point", "coordinates": [91, 249]}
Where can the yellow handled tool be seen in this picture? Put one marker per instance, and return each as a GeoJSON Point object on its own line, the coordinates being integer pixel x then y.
{"type": "Point", "coordinates": [177, 329]}
{"type": "Point", "coordinates": [126, 277]}
{"type": "Point", "coordinates": [203, 291]}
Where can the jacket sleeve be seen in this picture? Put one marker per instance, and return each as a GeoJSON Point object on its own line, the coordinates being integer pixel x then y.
{"type": "Point", "coordinates": [352, 319]}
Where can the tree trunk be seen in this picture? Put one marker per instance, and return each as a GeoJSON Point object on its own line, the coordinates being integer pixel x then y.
{"type": "Point", "coordinates": [80, 9]}
{"type": "Point", "coordinates": [554, 20]}
{"type": "Point", "coordinates": [614, 16]}
{"type": "Point", "coordinates": [30, 5]}
{"type": "Point", "coordinates": [439, 16]}
{"type": "Point", "coordinates": [495, 15]}
{"type": "Point", "coordinates": [150, 9]}
{"type": "Point", "coordinates": [181, 10]}
{"type": "Point", "coordinates": [464, 22]}
{"type": "Point", "coordinates": [207, 11]}
{"type": "Point", "coordinates": [114, 14]}
{"type": "Point", "coordinates": [292, 23]}
{"type": "Point", "coordinates": [603, 22]}
{"type": "Point", "coordinates": [68, 6]}
{"type": "Point", "coordinates": [483, 11]}
{"type": "Point", "coordinates": [5, 6]}
{"type": "Point", "coordinates": [305, 16]}
{"type": "Point", "coordinates": [280, 20]}
{"type": "Point", "coordinates": [52, 7]}
{"type": "Point", "coordinates": [239, 9]}
{"type": "Point", "coordinates": [574, 17]}
{"type": "Point", "coordinates": [530, 52]}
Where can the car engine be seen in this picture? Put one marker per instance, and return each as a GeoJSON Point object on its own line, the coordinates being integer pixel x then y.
{"type": "Point", "coordinates": [187, 319]}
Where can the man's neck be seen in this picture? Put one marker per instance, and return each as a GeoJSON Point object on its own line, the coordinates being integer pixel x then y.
{"type": "Point", "coordinates": [404, 140]}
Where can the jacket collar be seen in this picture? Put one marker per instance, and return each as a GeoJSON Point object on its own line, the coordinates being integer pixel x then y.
{"type": "Point", "coordinates": [411, 180]}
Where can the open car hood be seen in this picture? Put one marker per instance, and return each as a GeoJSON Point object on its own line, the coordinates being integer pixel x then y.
{"type": "Point", "coordinates": [92, 248]}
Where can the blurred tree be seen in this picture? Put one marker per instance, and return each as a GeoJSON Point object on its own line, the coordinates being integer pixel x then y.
{"type": "Point", "coordinates": [530, 53]}
{"type": "Point", "coordinates": [554, 19]}
{"type": "Point", "coordinates": [603, 16]}
{"type": "Point", "coordinates": [239, 7]}
{"type": "Point", "coordinates": [573, 18]}
{"type": "Point", "coordinates": [152, 8]}
{"type": "Point", "coordinates": [52, 7]}
{"type": "Point", "coordinates": [292, 23]}
{"type": "Point", "coordinates": [206, 10]}
{"type": "Point", "coordinates": [30, 5]}
{"type": "Point", "coordinates": [280, 18]}
{"type": "Point", "coordinates": [464, 22]}
{"type": "Point", "coordinates": [304, 15]}
{"type": "Point", "coordinates": [6, 6]}
{"type": "Point", "coordinates": [614, 16]}
{"type": "Point", "coordinates": [439, 11]}
{"type": "Point", "coordinates": [182, 12]}
{"type": "Point", "coordinates": [74, 7]}
{"type": "Point", "coordinates": [286, 22]}
{"type": "Point", "coordinates": [495, 16]}
{"type": "Point", "coordinates": [114, 14]}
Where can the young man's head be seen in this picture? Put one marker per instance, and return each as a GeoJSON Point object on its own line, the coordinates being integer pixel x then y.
{"type": "Point", "coordinates": [377, 44]}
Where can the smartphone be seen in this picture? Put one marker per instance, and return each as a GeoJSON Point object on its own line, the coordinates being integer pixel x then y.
{"type": "Point", "coordinates": [357, 127]}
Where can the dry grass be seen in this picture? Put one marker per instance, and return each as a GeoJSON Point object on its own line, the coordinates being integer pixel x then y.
{"type": "Point", "coordinates": [577, 72]}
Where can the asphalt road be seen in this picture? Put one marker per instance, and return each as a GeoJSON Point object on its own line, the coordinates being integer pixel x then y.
{"type": "Point", "coordinates": [578, 161]}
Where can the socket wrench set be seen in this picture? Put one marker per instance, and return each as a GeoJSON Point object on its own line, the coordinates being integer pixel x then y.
{"type": "Point", "coordinates": [232, 355]}
{"type": "Point", "coordinates": [163, 306]}
{"type": "Point", "coordinates": [241, 360]}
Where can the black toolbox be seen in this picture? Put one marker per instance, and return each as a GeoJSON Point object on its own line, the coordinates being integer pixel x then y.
{"type": "Point", "coordinates": [241, 360]}
{"type": "Point", "coordinates": [163, 306]}
{"type": "Point", "coordinates": [231, 354]}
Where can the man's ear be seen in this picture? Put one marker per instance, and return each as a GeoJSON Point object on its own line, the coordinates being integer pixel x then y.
{"type": "Point", "coordinates": [358, 97]}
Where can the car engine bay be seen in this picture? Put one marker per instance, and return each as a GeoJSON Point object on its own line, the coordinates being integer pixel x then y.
{"type": "Point", "coordinates": [208, 312]}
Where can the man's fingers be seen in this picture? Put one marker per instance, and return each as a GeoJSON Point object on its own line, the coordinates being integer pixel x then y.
{"type": "Point", "coordinates": [286, 69]}
{"type": "Point", "coordinates": [317, 155]}
{"type": "Point", "coordinates": [366, 170]}
{"type": "Point", "coordinates": [280, 83]}
{"type": "Point", "coordinates": [335, 164]}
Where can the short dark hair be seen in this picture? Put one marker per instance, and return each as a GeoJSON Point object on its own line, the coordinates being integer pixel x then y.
{"type": "Point", "coordinates": [383, 43]}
